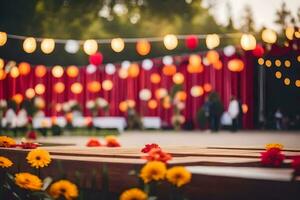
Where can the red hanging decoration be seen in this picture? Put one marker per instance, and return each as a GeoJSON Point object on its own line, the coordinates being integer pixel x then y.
{"type": "Point", "coordinates": [258, 51]}
{"type": "Point", "coordinates": [96, 59]}
{"type": "Point", "coordinates": [191, 42]}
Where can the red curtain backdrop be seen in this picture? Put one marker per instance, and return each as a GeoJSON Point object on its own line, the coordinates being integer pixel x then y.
{"type": "Point", "coordinates": [225, 82]}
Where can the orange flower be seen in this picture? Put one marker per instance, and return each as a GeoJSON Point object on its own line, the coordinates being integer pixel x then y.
{"type": "Point", "coordinates": [158, 155]}
{"type": "Point", "coordinates": [112, 141]}
{"type": "Point", "coordinates": [93, 143]}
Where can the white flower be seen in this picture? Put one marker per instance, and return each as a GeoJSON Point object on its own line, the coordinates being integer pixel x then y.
{"type": "Point", "coordinates": [90, 104]}
{"type": "Point", "coordinates": [3, 103]}
{"type": "Point", "coordinates": [101, 102]}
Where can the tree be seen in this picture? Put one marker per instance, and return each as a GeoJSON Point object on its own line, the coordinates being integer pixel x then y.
{"type": "Point", "coordinates": [283, 17]}
{"type": "Point", "coordinates": [247, 20]}
{"type": "Point", "coordinates": [229, 26]}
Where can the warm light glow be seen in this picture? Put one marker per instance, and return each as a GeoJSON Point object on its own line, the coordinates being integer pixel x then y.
{"type": "Point", "coordinates": [212, 41]}
{"type": "Point", "coordinates": [218, 65]}
{"type": "Point", "coordinates": [245, 108]}
{"type": "Point", "coordinates": [287, 63]}
{"type": "Point", "coordinates": [2, 74]}
{"type": "Point", "coordinates": [212, 56]}
{"type": "Point", "coordinates": [181, 95]}
{"type": "Point", "coordinates": [72, 71]}
{"type": "Point", "coordinates": [133, 70]}
{"type": "Point", "coordinates": [24, 68]}
{"type": "Point", "coordinates": [30, 93]}
{"type": "Point", "coordinates": [297, 83]}
{"type": "Point", "coordinates": [117, 44]}
{"type": "Point", "coordinates": [145, 94]}
{"type": "Point", "coordinates": [90, 47]}
{"type": "Point", "coordinates": [195, 60]}
{"type": "Point", "coordinates": [18, 98]}
{"type": "Point", "coordinates": [107, 85]}
{"type": "Point", "coordinates": [261, 61]}
{"type": "Point", "coordinates": [287, 81]}
{"type": "Point", "coordinates": [268, 63]}
{"type": "Point", "coordinates": [170, 42]}
{"type": "Point", "coordinates": [278, 75]}
{"type": "Point", "coordinates": [278, 63]}
{"type": "Point", "coordinates": [123, 73]}
{"type": "Point", "coordinates": [3, 38]}
{"type": "Point", "coordinates": [14, 72]}
{"type": "Point", "coordinates": [152, 104]}
{"type": "Point", "coordinates": [236, 65]}
{"type": "Point", "coordinates": [59, 87]}
{"type": "Point", "coordinates": [76, 88]}
{"type": "Point", "coordinates": [130, 103]}
{"type": "Point", "coordinates": [94, 86]}
{"type": "Point", "coordinates": [57, 71]}
{"type": "Point", "coordinates": [269, 36]}
{"type": "Point", "coordinates": [207, 87]}
{"type": "Point", "coordinates": [161, 93]}
{"type": "Point", "coordinates": [197, 91]}
{"type": "Point", "coordinates": [40, 71]}
{"type": "Point", "coordinates": [47, 46]}
{"type": "Point", "coordinates": [169, 70]}
{"type": "Point", "coordinates": [123, 106]}
{"type": "Point", "coordinates": [248, 42]}
{"type": "Point", "coordinates": [195, 69]}
{"type": "Point", "coordinates": [289, 32]}
{"type": "Point", "coordinates": [40, 89]}
{"type": "Point", "coordinates": [1, 63]}
{"type": "Point", "coordinates": [143, 47]}
{"type": "Point", "coordinates": [178, 78]}
{"type": "Point", "coordinates": [155, 78]}
{"type": "Point", "coordinates": [29, 45]}
{"type": "Point", "coordinates": [298, 58]}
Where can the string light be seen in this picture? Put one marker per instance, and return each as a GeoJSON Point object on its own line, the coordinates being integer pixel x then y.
{"type": "Point", "coordinates": [57, 71]}
{"type": "Point", "coordinates": [3, 38]}
{"type": "Point", "coordinates": [268, 63]}
{"type": "Point", "coordinates": [59, 87]}
{"type": "Point", "coordinates": [278, 75]}
{"type": "Point", "coordinates": [117, 44]}
{"type": "Point", "coordinates": [297, 83]}
{"type": "Point", "coordinates": [152, 104]}
{"type": "Point", "coordinates": [30, 93]}
{"type": "Point", "coordinates": [76, 88]}
{"type": "Point", "coordinates": [72, 71]}
{"type": "Point", "coordinates": [178, 78]}
{"type": "Point", "coordinates": [289, 32]}
{"type": "Point", "coordinates": [197, 91]}
{"type": "Point", "coordinates": [170, 42]}
{"type": "Point", "coordinates": [47, 46]}
{"type": "Point", "coordinates": [287, 63]}
{"type": "Point", "coordinates": [143, 47]}
{"type": "Point", "coordinates": [14, 72]}
{"type": "Point", "coordinates": [39, 89]}
{"type": "Point", "coordinates": [107, 85]}
{"type": "Point", "coordinates": [212, 41]}
{"type": "Point", "coordinates": [277, 63]}
{"type": "Point", "coordinates": [145, 94]}
{"type": "Point", "coordinates": [155, 78]}
{"type": "Point", "coordinates": [248, 42]}
{"type": "Point", "coordinates": [261, 61]}
{"type": "Point", "coordinates": [269, 36]}
{"type": "Point", "coordinates": [40, 71]}
{"type": "Point", "coordinates": [287, 81]}
{"type": "Point", "coordinates": [29, 45]}
{"type": "Point", "coordinates": [1, 63]}
{"type": "Point", "coordinates": [90, 47]}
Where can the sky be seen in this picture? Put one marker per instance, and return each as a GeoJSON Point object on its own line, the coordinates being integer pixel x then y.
{"type": "Point", "coordinates": [263, 10]}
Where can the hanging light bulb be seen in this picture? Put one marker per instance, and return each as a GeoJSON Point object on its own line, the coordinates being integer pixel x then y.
{"type": "Point", "coordinates": [117, 44]}
{"type": "Point", "coordinates": [72, 46]}
{"type": "Point", "coordinates": [14, 72]}
{"type": "Point", "coordinates": [57, 71]}
{"type": "Point", "coordinates": [143, 47]}
{"type": "Point", "coordinates": [110, 69]}
{"type": "Point", "coordinates": [29, 45]}
{"type": "Point", "coordinates": [90, 47]}
{"type": "Point", "coordinates": [212, 41]}
{"type": "Point", "coordinates": [248, 42]}
{"type": "Point", "coordinates": [47, 46]}
{"type": "Point", "coordinates": [170, 42]}
{"type": "Point", "coordinates": [289, 32]}
{"type": "Point", "coordinates": [269, 36]}
{"type": "Point", "coordinates": [3, 38]}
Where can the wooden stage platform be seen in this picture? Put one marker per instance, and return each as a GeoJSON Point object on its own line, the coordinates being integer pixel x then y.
{"type": "Point", "coordinates": [217, 172]}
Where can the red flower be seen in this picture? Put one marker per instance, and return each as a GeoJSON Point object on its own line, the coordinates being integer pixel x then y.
{"type": "Point", "coordinates": [31, 135]}
{"type": "Point", "coordinates": [296, 165]}
{"type": "Point", "coordinates": [28, 145]}
{"type": "Point", "coordinates": [148, 147]}
{"type": "Point", "coordinates": [272, 157]}
{"type": "Point", "coordinates": [158, 155]}
{"type": "Point", "coordinates": [93, 143]}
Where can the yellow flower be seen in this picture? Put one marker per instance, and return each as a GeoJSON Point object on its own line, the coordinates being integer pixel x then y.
{"type": "Point", "coordinates": [133, 194]}
{"type": "Point", "coordinates": [153, 170]}
{"type": "Point", "coordinates": [38, 158]}
{"type": "Point", "coordinates": [7, 141]}
{"type": "Point", "coordinates": [63, 188]}
{"type": "Point", "coordinates": [178, 176]}
{"type": "Point", "coordinates": [5, 162]}
{"type": "Point", "coordinates": [28, 181]}
{"type": "Point", "coordinates": [274, 145]}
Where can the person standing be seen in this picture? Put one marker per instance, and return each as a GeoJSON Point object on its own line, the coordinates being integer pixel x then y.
{"type": "Point", "coordinates": [233, 111]}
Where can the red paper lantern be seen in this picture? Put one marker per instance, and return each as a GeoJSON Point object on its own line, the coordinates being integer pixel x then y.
{"type": "Point", "coordinates": [258, 51]}
{"type": "Point", "coordinates": [191, 42]}
{"type": "Point", "coordinates": [96, 59]}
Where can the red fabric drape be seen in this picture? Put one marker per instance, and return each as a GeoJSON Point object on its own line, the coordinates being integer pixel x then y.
{"type": "Point", "coordinates": [225, 82]}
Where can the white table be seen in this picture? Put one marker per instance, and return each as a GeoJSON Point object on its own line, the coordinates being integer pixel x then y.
{"type": "Point", "coordinates": [110, 122]}
{"type": "Point", "coordinates": [151, 122]}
